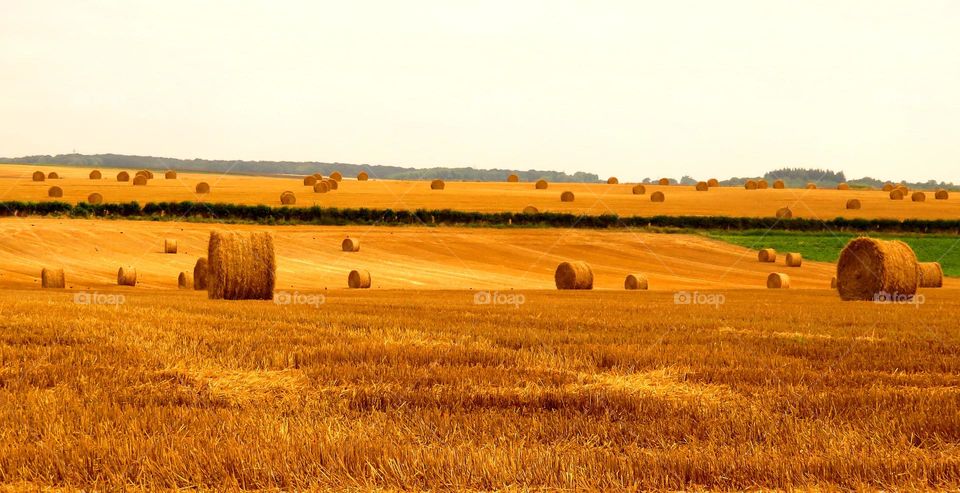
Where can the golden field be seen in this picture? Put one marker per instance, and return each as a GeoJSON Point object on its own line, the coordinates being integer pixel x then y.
{"type": "Point", "coordinates": [15, 184]}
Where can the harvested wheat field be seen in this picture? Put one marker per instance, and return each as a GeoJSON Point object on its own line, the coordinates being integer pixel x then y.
{"type": "Point", "coordinates": [596, 198]}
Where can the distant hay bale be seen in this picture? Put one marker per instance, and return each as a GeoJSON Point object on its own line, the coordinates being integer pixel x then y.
{"type": "Point", "coordinates": [896, 194]}
{"type": "Point", "coordinates": [336, 176]}
{"type": "Point", "coordinates": [869, 267]}
{"type": "Point", "coordinates": [657, 197]}
{"type": "Point", "coordinates": [778, 280]}
{"type": "Point", "coordinates": [350, 245]}
{"type": "Point", "coordinates": [288, 198]}
{"type": "Point", "coordinates": [530, 210]}
{"type": "Point", "coordinates": [200, 274]}
{"type": "Point", "coordinates": [639, 189]}
{"type": "Point", "coordinates": [95, 198]}
{"type": "Point", "coordinates": [203, 187]}
{"type": "Point", "coordinates": [778, 184]}
{"type": "Point", "coordinates": [52, 278]}
{"type": "Point", "coordinates": [170, 245]}
{"type": "Point", "coordinates": [55, 192]}
{"type": "Point", "coordinates": [318, 176]}
{"type": "Point", "coordinates": [794, 259]}
{"type": "Point", "coordinates": [636, 281]}
{"type": "Point", "coordinates": [363, 176]}
{"type": "Point", "coordinates": [888, 187]}
{"type": "Point", "coordinates": [437, 185]}
{"type": "Point", "coordinates": [240, 266]}
{"type": "Point", "coordinates": [853, 204]}
{"type": "Point", "coordinates": [612, 180]}
{"type": "Point", "coordinates": [574, 275]}
{"type": "Point", "coordinates": [53, 175]}
{"type": "Point", "coordinates": [185, 281]}
{"type": "Point", "coordinates": [784, 213]}
{"type": "Point", "coordinates": [702, 186]}
{"type": "Point", "coordinates": [123, 176]}
{"type": "Point", "coordinates": [843, 186]}
{"type": "Point", "coordinates": [811, 186]}
{"type": "Point", "coordinates": [768, 255]}
{"type": "Point", "coordinates": [750, 185]}
{"type": "Point", "coordinates": [942, 195]}
{"type": "Point", "coordinates": [39, 176]}
{"type": "Point", "coordinates": [310, 180]}
{"type": "Point", "coordinates": [139, 180]}
{"type": "Point", "coordinates": [541, 185]}
{"type": "Point", "coordinates": [148, 174]}
{"type": "Point", "coordinates": [333, 184]}
{"type": "Point", "coordinates": [762, 184]}
{"type": "Point", "coordinates": [359, 279]}
{"type": "Point", "coordinates": [918, 197]}
{"type": "Point", "coordinates": [127, 276]}
{"type": "Point", "coordinates": [141, 173]}
{"type": "Point", "coordinates": [96, 175]}
{"type": "Point", "coordinates": [566, 196]}
{"type": "Point", "coordinates": [903, 190]}
{"type": "Point", "coordinates": [513, 179]}
{"type": "Point", "coordinates": [321, 187]}
{"type": "Point", "coordinates": [931, 274]}
{"type": "Point", "coordinates": [713, 182]}
{"type": "Point", "coordinates": [664, 181]}
{"type": "Point", "coordinates": [170, 175]}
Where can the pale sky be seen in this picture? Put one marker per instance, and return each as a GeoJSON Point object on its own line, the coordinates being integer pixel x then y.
{"type": "Point", "coordinates": [627, 88]}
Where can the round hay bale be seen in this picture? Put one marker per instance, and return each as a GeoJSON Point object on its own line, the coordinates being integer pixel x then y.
{"type": "Point", "coordinates": [657, 196]}
{"type": "Point", "coordinates": [931, 274]}
{"type": "Point", "coordinates": [942, 195]}
{"type": "Point", "coordinates": [918, 197]}
{"type": "Point", "coordinates": [321, 187]}
{"type": "Point", "coordinates": [55, 192]}
{"type": "Point", "coordinates": [702, 186]}
{"type": "Point", "coordinates": [96, 175]}
{"type": "Point", "coordinates": [203, 187]}
{"type": "Point", "coordinates": [713, 182]}
{"type": "Point", "coordinates": [636, 281]}
{"type": "Point", "coordinates": [200, 274]}
{"type": "Point", "coordinates": [784, 213]}
{"type": "Point", "coordinates": [767, 255]}
{"type": "Point", "coordinates": [148, 174]}
{"type": "Point", "coordinates": [750, 185]}
{"type": "Point", "coordinates": [639, 189]}
{"type": "Point", "coordinates": [310, 180]}
{"type": "Point", "coordinates": [541, 185]}
{"type": "Point", "coordinates": [359, 279]}
{"type": "Point", "coordinates": [140, 173]}
{"type": "Point", "coordinates": [762, 184]}
{"type": "Point", "coordinates": [513, 179]}
{"type": "Point", "coordinates": [869, 267]}
{"type": "Point", "coordinates": [843, 186]}
{"type": "Point", "coordinates": [896, 194]}
{"type": "Point", "coordinates": [139, 180]}
{"type": "Point", "coordinates": [574, 275]}
{"type": "Point", "coordinates": [833, 282]}
{"type": "Point", "coordinates": [240, 266]}
{"type": "Point", "coordinates": [778, 184]}
{"type": "Point", "coordinates": [169, 245]}
{"type": "Point", "coordinates": [437, 185]}
{"type": "Point", "coordinates": [52, 278]}
{"type": "Point", "coordinates": [318, 176]}
{"type": "Point", "coordinates": [566, 196]}
{"type": "Point", "coordinates": [39, 176]}
{"type": "Point", "coordinates": [185, 281]}
{"type": "Point", "coordinates": [95, 198]}
{"type": "Point", "coordinates": [123, 176]}
{"type": "Point", "coordinates": [127, 276]}
{"type": "Point", "coordinates": [170, 175]}
{"type": "Point", "coordinates": [777, 280]}
{"type": "Point", "coordinates": [664, 181]}
{"type": "Point", "coordinates": [853, 204]}
{"type": "Point", "coordinates": [53, 175]}
{"type": "Point", "coordinates": [363, 176]}
{"type": "Point", "coordinates": [336, 176]}
{"type": "Point", "coordinates": [333, 184]}
{"type": "Point", "coordinates": [811, 186]}
{"type": "Point", "coordinates": [530, 210]}
{"type": "Point", "coordinates": [613, 180]}
{"type": "Point", "coordinates": [288, 198]}
{"type": "Point", "coordinates": [794, 259]}
{"type": "Point", "coordinates": [888, 187]}
{"type": "Point", "coordinates": [903, 190]}
{"type": "Point", "coordinates": [350, 245]}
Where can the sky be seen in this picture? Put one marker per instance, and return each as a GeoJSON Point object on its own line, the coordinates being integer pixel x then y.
{"type": "Point", "coordinates": [631, 88]}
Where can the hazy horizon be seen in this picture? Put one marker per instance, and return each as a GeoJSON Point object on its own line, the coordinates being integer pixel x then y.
{"type": "Point", "coordinates": [630, 89]}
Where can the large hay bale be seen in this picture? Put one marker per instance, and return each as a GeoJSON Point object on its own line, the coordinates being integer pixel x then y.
{"type": "Point", "coordinates": [639, 189]}
{"type": "Point", "coordinates": [612, 180]}
{"type": "Point", "coordinates": [896, 194]}
{"type": "Point", "coordinates": [170, 175]}
{"type": "Point", "coordinates": [778, 280]}
{"type": "Point", "coordinates": [350, 245]}
{"type": "Point", "coordinates": [437, 185]}
{"type": "Point", "coordinates": [530, 210]}
{"type": "Point", "coordinates": [778, 184]}
{"type": "Point", "coordinates": [170, 245]}
{"type": "Point", "coordinates": [363, 176]}
{"type": "Point", "coordinates": [359, 279]}
{"type": "Point", "coordinates": [702, 186]}
{"type": "Point", "coordinates": [513, 179]}
{"type": "Point", "coordinates": [566, 196]}
{"type": "Point", "coordinates": [843, 186]}
{"type": "Point", "coordinates": [636, 281]}
{"type": "Point", "coordinates": [768, 255]}
{"type": "Point", "coordinates": [95, 198]}
{"type": "Point", "coordinates": [931, 274]}
{"type": "Point", "coordinates": [918, 197]}
{"type": "Point", "coordinates": [869, 267]}
{"type": "Point", "coordinates": [657, 196]}
{"type": "Point", "coordinates": [750, 185]}
{"type": "Point", "coordinates": [123, 176]}
{"type": "Point", "coordinates": [53, 175]}
{"type": "Point", "coordinates": [321, 187]}
{"type": "Point", "coordinates": [664, 181]}
{"type": "Point", "coordinates": [52, 278]}
{"type": "Point", "coordinates": [55, 192]}
{"type": "Point", "coordinates": [39, 176]}
{"type": "Point", "coordinates": [541, 185]}
{"type": "Point", "coordinates": [333, 184]}
{"type": "Point", "coordinates": [310, 180]}
{"type": "Point", "coordinates": [794, 259]}
{"type": "Point", "coordinates": [185, 281]}
{"type": "Point", "coordinates": [200, 274]}
{"type": "Point", "coordinates": [127, 276]}
{"type": "Point", "coordinates": [713, 182]}
{"type": "Point", "coordinates": [762, 184]}
{"type": "Point", "coordinates": [811, 186]}
{"type": "Point", "coordinates": [288, 198]}
{"type": "Point", "coordinates": [853, 204]}
{"type": "Point", "coordinates": [942, 195]}
{"type": "Point", "coordinates": [574, 275]}
{"type": "Point", "coordinates": [784, 213]}
{"type": "Point", "coordinates": [240, 266]}
{"type": "Point", "coordinates": [336, 176]}
{"type": "Point", "coordinates": [203, 187]}
{"type": "Point", "coordinates": [139, 180]}
{"type": "Point", "coordinates": [96, 175]}
{"type": "Point", "coordinates": [888, 187]}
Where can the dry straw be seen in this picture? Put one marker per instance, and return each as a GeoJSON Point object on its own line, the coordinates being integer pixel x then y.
{"type": "Point", "coordinates": [52, 278]}
{"type": "Point", "coordinates": [612, 180]}
{"type": "Point", "coordinates": [750, 185]}
{"type": "Point", "coordinates": [869, 267]}
{"type": "Point", "coordinates": [310, 180]}
{"type": "Point", "coordinates": [513, 179]}
{"type": "Point", "coordinates": [763, 185]}
{"type": "Point", "coordinates": [664, 181]}
{"type": "Point", "coordinates": [942, 195]}
{"type": "Point", "coordinates": [170, 175]}
{"type": "Point", "coordinates": [39, 176]}
{"type": "Point", "coordinates": [437, 185]}
{"type": "Point", "coordinates": [363, 176]}
{"type": "Point", "coordinates": [702, 186]}
{"type": "Point", "coordinates": [336, 176]}
{"type": "Point", "coordinates": [202, 187]}
{"type": "Point", "coordinates": [843, 186]}
{"type": "Point", "coordinates": [185, 281]}
{"type": "Point", "coordinates": [96, 175]}
{"type": "Point", "coordinates": [794, 259]}
{"type": "Point", "coordinates": [95, 198]}
{"type": "Point", "coordinates": [200, 274]}
{"type": "Point", "coordinates": [530, 210]}
{"type": "Point", "coordinates": [896, 194]}
{"type": "Point", "coordinates": [240, 266]}
{"type": "Point", "coordinates": [358, 279]}
{"type": "Point", "coordinates": [918, 197]}
{"type": "Point", "coordinates": [321, 187]}
{"type": "Point", "coordinates": [140, 180]}
{"type": "Point", "coordinates": [127, 276]}
{"type": "Point", "coordinates": [931, 275]}
{"type": "Point", "coordinates": [636, 281]}
{"type": "Point", "coordinates": [574, 275]}
{"type": "Point", "coordinates": [777, 280]}
{"type": "Point", "coordinates": [784, 213]}
{"type": "Point", "coordinates": [639, 189]}
{"type": "Point", "coordinates": [713, 182]}
{"type": "Point", "coordinates": [853, 204]}
{"type": "Point", "coordinates": [350, 245]}
{"type": "Point", "coordinates": [170, 245]}
{"type": "Point", "coordinates": [55, 192]}
{"type": "Point", "coordinates": [123, 176]}
{"type": "Point", "coordinates": [767, 255]}
{"type": "Point", "coordinates": [53, 175]}
{"type": "Point", "coordinates": [566, 196]}
{"type": "Point", "coordinates": [288, 198]}
{"type": "Point", "coordinates": [657, 197]}
{"type": "Point", "coordinates": [778, 184]}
